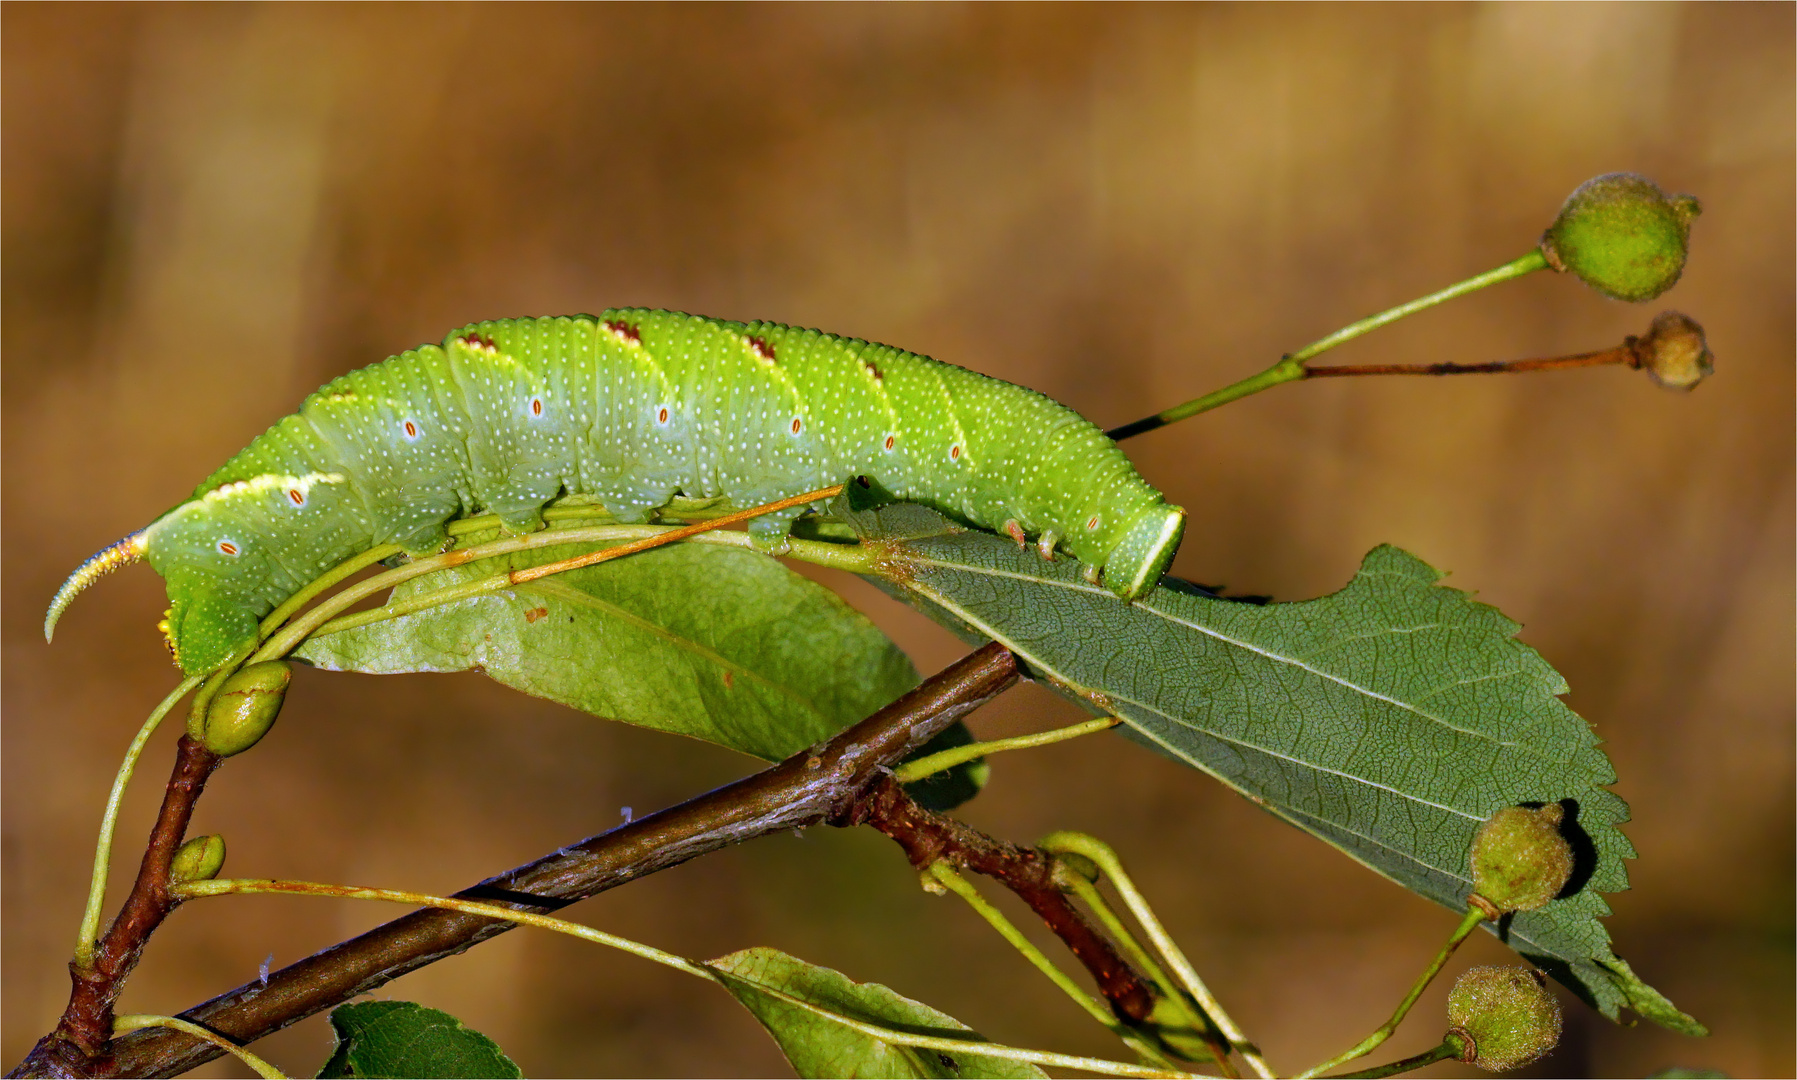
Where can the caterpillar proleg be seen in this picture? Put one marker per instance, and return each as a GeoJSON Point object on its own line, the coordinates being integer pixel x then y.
{"type": "Point", "coordinates": [633, 407]}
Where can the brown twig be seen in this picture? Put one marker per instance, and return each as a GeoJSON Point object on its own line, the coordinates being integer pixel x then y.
{"type": "Point", "coordinates": [82, 1036]}
{"type": "Point", "coordinates": [806, 789]}
{"type": "Point", "coordinates": [928, 837]}
{"type": "Point", "coordinates": [1621, 354]}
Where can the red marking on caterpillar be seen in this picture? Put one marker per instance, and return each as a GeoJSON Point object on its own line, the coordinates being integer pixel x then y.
{"type": "Point", "coordinates": [410, 429]}
{"type": "Point", "coordinates": [623, 331]}
{"type": "Point", "coordinates": [796, 425]}
{"type": "Point", "coordinates": [729, 679]}
{"type": "Point", "coordinates": [536, 406]}
{"type": "Point", "coordinates": [536, 613]}
{"type": "Point", "coordinates": [296, 496]}
{"type": "Point", "coordinates": [661, 415]}
{"type": "Point", "coordinates": [762, 349]}
{"type": "Point", "coordinates": [475, 341]}
{"type": "Point", "coordinates": [1093, 524]}
{"type": "Point", "coordinates": [1015, 532]}
{"type": "Point", "coordinates": [873, 369]}
{"type": "Point", "coordinates": [227, 547]}
{"type": "Point", "coordinates": [954, 452]}
{"type": "Point", "coordinates": [891, 442]}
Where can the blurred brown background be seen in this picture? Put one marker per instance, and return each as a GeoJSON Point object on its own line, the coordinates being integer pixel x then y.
{"type": "Point", "coordinates": [210, 210]}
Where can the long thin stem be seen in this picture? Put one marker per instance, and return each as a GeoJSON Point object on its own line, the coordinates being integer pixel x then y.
{"type": "Point", "coordinates": [1107, 861]}
{"type": "Point", "coordinates": [1198, 1024]}
{"type": "Point", "coordinates": [346, 569]}
{"type": "Point", "coordinates": [1515, 268]}
{"type": "Point", "coordinates": [823, 554]}
{"type": "Point", "coordinates": [1470, 922]}
{"type": "Point", "coordinates": [1449, 1048]}
{"type": "Point", "coordinates": [229, 886]}
{"type": "Point", "coordinates": [1620, 354]}
{"type": "Point", "coordinates": [137, 1021]}
{"type": "Point", "coordinates": [1292, 367]}
{"type": "Point", "coordinates": [946, 876]}
{"type": "Point", "coordinates": [88, 936]}
{"type": "Point", "coordinates": [681, 533]}
{"type": "Point", "coordinates": [948, 759]}
{"type": "Point", "coordinates": [241, 886]}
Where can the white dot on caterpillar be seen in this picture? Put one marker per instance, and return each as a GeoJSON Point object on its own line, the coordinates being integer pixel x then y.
{"type": "Point", "coordinates": [409, 429]}
{"type": "Point", "coordinates": [228, 548]}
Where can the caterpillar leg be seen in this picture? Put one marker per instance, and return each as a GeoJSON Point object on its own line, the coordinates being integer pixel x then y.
{"type": "Point", "coordinates": [772, 533]}
{"type": "Point", "coordinates": [521, 522]}
{"type": "Point", "coordinates": [429, 540]}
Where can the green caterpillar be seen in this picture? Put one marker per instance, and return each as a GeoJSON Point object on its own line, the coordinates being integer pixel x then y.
{"type": "Point", "coordinates": [632, 407]}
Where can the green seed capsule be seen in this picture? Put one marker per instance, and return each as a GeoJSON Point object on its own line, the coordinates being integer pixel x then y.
{"type": "Point", "coordinates": [245, 708]}
{"type": "Point", "coordinates": [1674, 352]}
{"type": "Point", "coordinates": [200, 859]}
{"type": "Point", "coordinates": [1519, 859]}
{"type": "Point", "coordinates": [1505, 1017]}
{"type": "Point", "coordinates": [1622, 236]}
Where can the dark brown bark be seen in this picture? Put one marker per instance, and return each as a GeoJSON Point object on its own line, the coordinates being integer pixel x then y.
{"type": "Point", "coordinates": [928, 837]}
{"type": "Point", "coordinates": [82, 1037]}
{"type": "Point", "coordinates": [806, 789]}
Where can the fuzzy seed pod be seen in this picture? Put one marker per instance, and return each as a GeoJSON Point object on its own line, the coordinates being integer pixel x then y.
{"type": "Point", "coordinates": [200, 859]}
{"type": "Point", "coordinates": [1519, 859]}
{"type": "Point", "coordinates": [1622, 236]}
{"type": "Point", "coordinates": [245, 708]}
{"type": "Point", "coordinates": [1673, 353]}
{"type": "Point", "coordinates": [1504, 1016]}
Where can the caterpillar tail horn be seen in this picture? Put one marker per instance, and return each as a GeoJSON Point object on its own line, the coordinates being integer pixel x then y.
{"type": "Point", "coordinates": [98, 565]}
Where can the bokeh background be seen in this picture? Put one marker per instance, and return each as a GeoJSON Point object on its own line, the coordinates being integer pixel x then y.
{"type": "Point", "coordinates": [209, 210]}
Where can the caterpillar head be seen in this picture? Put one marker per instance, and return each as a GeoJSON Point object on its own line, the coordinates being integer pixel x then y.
{"type": "Point", "coordinates": [1146, 548]}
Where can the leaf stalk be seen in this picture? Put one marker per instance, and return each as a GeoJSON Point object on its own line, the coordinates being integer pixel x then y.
{"type": "Point", "coordinates": [1105, 858]}
{"type": "Point", "coordinates": [913, 771]}
{"type": "Point", "coordinates": [1292, 367]}
{"type": "Point", "coordinates": [87, 938]}
{"type": "Point", "coordinates": [1468, 923]}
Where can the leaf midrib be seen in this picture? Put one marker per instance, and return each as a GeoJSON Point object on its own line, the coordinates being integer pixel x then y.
{"type": "Point", "coordinates": [1246, 646]}
{"type": "Point", "coordinates": [562, 591]}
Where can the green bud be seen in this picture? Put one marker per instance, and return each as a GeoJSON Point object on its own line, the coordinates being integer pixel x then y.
{"type": "Point", "coordinates": [245, 708]}
{"type": "Point", "coordinates": [1071, 864]}
{"type": "Point", "coordinates": [1519, 859]}
{"type": "Point", "coordinates": [1179, 1029]}
{"type": "Point", "coordinates": [1622, 236]}
{"type": "Point", "coordinates": [1504, 1016]}
{"type": "Point", "coordinates": [200, 859]}
{"type": "Point", "coordinates": [1674, 352]}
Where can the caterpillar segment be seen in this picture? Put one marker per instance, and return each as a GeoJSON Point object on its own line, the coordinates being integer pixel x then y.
{"type": "Point", "coordinates": [633, 408]}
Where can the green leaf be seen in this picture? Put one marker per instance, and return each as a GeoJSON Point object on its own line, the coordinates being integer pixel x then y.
{"type": "Point", "coordinates": [404, 1039]}
{"type": "Point", "coordinates": [817, 1046]}
{"type": "Point", "coordinates": [714, 642]}
{"type": "Point", "coordinates": [1388, 719]}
